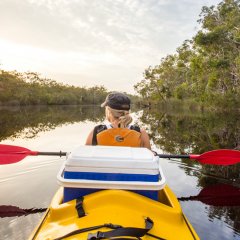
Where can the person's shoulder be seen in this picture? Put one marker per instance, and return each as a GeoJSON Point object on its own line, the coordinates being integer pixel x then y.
{"type": "Point", "coordinates": [145, 139]}
{"type": "Point", "coordinates": [143, 130]}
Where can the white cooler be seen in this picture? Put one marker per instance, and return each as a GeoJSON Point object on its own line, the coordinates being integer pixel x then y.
{"type": "Point", "coordinates": [92, 168]}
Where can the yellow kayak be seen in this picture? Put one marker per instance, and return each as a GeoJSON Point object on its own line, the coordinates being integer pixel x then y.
{"type": "Point", "coordinates": [113, 193]}
{"type": "Point", "coordinates": [116, 207]}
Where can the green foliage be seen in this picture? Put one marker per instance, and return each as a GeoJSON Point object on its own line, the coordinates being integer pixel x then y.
{"type": "Point", "coordinates": [206, 68]}
{"type": "Point", "coordinates": [30, 89]}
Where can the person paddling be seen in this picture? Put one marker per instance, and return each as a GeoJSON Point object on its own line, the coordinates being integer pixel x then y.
{"type": "Point", "coordinates": [118, 131]}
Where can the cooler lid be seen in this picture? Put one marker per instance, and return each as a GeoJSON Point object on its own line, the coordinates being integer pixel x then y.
{"type": "Point", "coordinates": [113, 157]}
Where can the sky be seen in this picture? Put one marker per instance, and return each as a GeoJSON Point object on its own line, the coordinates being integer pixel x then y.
{"type": "Point", "coordinates": [94, 42]}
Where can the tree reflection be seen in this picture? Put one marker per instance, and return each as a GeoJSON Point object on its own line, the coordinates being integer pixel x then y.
{"type": "Point", "coordinates": [179, 132]}
{"type": "Point", "coordinates": [27, 122]}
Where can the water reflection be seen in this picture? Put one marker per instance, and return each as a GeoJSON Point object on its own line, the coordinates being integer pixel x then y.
{"type": "Point", "coordinates": [14, 211]}
{"type": "Point", "coordinates": [198, 132]}
{"type": "Point", "coordinates": [195, 133]}
{"type": "Point", "coordinates": [217, 195]}
{"type": "Point", "coordinates": [28, 122]}
{"type": "Point", "coordinates": [172, 132]}
{"type": "Point", "coordinates": [178, 132]}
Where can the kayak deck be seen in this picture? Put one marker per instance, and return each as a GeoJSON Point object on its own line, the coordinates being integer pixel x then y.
{"type": "Point", "coordinates": [120, 207]}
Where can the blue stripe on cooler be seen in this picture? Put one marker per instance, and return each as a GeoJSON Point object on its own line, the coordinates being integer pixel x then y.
{"type": "Point", "coordinates": [73, 193]}
{"type": "Point", "coordinates": [111, 176]}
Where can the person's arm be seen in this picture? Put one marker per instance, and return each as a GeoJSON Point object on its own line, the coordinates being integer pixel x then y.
{"type": "Point", "coordinates": [145, 142]}
{"type": "Point", "coordinates": [89, 138]}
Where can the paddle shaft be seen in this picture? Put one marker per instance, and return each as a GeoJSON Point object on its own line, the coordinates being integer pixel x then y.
{"type": "Point", "coordinates": [34, 153]}
{"type": "Point", "coordinates": [160, 155]}
{"type": "Point", "coordinates": [178, 156]}
{"type": "Point", "coordinates": [13, 154]}
{"type": "Point", "coordinates": [51, 153]}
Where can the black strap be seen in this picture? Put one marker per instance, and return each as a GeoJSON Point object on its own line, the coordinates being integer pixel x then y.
{"type": "Point", "coordinates": [108, 225]}
{"type": "Point", "coordinates": [79, 207]}
{"type": "Point", "coordinates": [96, 130]}
{"type": "Point", "coordinates": [135, 127]}
{"type": "Point", "coordinates": [123, 232]}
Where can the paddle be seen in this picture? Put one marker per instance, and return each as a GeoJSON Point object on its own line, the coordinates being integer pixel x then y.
{"type": "Point", "coordinates": [215, 157]}
{"type": "Point", "coordinates": [217, 195]}
{"type": "Point", "coordinates": [13, 211]}
{"type": "Point", "coordinates": [13, 154]}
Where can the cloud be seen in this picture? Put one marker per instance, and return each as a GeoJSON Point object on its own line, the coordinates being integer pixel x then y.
{"type": "Point", "coordinates": [102, 37]}
{"type": "Point", "coordinates": [93, 25]}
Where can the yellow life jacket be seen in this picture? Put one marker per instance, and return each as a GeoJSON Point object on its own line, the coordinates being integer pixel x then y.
{"type": "Point", "coordinates": [129, 137]}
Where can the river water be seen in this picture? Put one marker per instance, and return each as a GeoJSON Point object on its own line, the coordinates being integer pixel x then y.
{"type": "Point", "coordinates": [31, 183]}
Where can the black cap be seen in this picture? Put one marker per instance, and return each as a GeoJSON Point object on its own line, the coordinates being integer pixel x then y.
{"type": "Point", "coordinates": [118, 101]}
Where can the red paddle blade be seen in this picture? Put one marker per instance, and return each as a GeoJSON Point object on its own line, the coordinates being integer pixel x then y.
{"type": "Point", "coordinates": [217, 195]}
{"type": "Point", "coordinates": [220, 195]}
{"type": "Point", "coordinates": [13, 154]}
{"type": "Point", "coordinates": [13, 211]}
{"type": "Point", "coordinates": [218, 157]}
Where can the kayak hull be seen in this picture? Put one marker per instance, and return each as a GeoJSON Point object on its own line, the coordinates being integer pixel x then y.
{"type": "Point", "coordinates": [120, 207]}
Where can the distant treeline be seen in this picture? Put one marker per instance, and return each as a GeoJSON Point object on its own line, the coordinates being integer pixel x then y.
{"type": "Point", "coordinates": [206, 68]}
{"type": "Point", "coordinates": [30, 89]}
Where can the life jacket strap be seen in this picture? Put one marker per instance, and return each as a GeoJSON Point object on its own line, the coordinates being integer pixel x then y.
{"type": "Point", "coordinates": [96, 130]}
{"type": "Point", "coordinates": [135, 127]}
